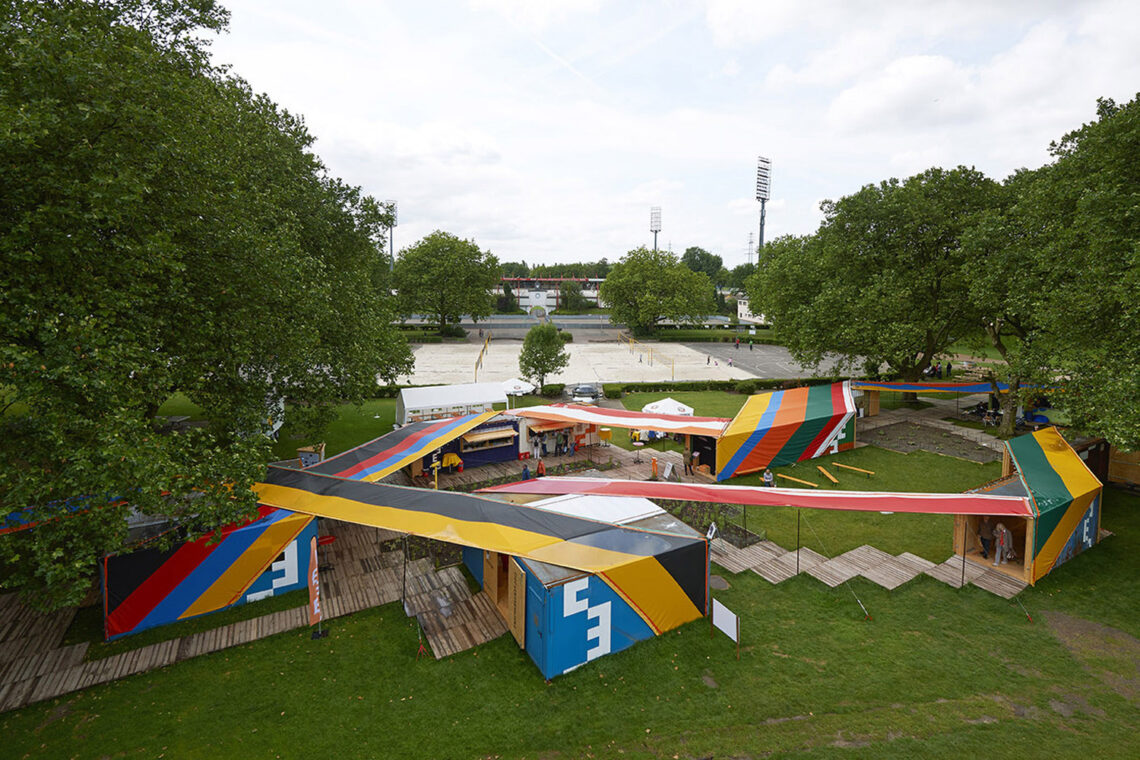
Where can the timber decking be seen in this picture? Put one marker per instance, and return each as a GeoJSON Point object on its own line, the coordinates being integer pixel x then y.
{"type": "Point", "coordinates": [359, 575]}
{"type": "Point", "coordinates": [781, 568]}
{"type": "Point", "coordinates": [950, 572]}
{"type": "Point", "coordinates": [1005, 586]}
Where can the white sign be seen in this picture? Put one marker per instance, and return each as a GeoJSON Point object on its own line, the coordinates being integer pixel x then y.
{"type": "Point", "coordinates": [726, 621]}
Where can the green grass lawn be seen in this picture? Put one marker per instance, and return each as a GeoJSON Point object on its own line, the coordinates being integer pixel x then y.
{"type": "Point", "coordinates": [936, 672]}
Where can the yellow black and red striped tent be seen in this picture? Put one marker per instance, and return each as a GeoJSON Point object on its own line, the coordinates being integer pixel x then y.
{"type": "Point", "coordinates": [663, 576]}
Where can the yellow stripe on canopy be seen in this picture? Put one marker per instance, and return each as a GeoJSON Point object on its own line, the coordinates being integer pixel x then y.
{"type": "Point", "coordinates": [481, 535]}
{"type": "Point", "coordinates": [653, 594]}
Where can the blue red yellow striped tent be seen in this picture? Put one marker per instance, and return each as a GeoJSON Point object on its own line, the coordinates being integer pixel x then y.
{"type": "Point", "coordinates": [151, 587]}
{"type": "Point", "coordinates": [782, 427]}
{"type": "Point", "coordinates": [382, 456]}
{"type": "Point", "coordinates": [1065, 496]}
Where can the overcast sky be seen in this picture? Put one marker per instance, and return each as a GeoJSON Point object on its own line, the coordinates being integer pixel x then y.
{"type": "Point", "coordinates": [546, 129]}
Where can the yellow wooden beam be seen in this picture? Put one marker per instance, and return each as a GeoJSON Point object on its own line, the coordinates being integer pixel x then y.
{"type": "Point", "coordinates": [796, 480]}
{"type": "Point", "coordinates": [869, 473]}
{"type": "Point", "coordinates": [826, 474]}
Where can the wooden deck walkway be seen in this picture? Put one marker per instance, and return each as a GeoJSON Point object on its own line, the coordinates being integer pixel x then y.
{"type": "Point", "coordinates": [356, 574]}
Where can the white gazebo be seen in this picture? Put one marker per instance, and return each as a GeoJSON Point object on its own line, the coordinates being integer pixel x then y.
{"type": "Point", "coordinates": [668, 406]}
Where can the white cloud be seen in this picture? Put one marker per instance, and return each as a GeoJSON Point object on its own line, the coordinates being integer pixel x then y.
{"type": "Point", "coordinates": [545, 131]}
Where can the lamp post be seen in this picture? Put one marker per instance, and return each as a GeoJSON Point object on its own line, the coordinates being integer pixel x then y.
{"type": "Point", "coordinates": [763, 194]}
{"type": "Point", "coordinates": [655, 223]}
{"type": "Point", "coordinates": [391, 244]}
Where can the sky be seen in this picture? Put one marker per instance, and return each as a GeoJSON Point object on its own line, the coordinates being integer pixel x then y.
{"type": "Point", "coordinates": [545, 130]}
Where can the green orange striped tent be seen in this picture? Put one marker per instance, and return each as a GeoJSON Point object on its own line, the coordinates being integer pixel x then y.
{"type": "Point", "coordinates": [786, 426]}
{"type": "Point", "coordinates": [1065, 495]}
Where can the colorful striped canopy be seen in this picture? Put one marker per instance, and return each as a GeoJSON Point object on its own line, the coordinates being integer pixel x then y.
{"type": "Point", "coordinates": [865, 501]}
{"type": "Point", "coordinates": [381, 457]}
{"type": "Point", "coordinates": [148, 588]}
{"type": "Point", "coordinates": [622, 418]}
{"type": "Point", "coordinates": [782, 427]}
{"type": "Point", "coordinates": [869, 385]}
{"type": "Point", "coordinates": [1065, 496]}
{"type": "Point", "coordinates": [661, 574]}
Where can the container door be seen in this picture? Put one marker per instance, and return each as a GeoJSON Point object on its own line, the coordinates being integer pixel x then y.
{"type": "Point", "coordinates": [516, 591]}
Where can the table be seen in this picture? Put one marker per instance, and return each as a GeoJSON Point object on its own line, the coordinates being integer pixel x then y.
{"type": "Point", "coordinates": [604, 435]}
{"type": "Point", "coordinates": [637, 447]}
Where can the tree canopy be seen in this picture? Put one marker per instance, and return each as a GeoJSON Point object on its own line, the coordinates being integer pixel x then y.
{"type": "Point", "coordinates": [884, 280]}
{"type": "Point", "coordinates": [646, 287]}
{"type": "Point", "coordinates": [166, 230]}
{"type": "Point", "coordinates": [700, 260]}
{"type": "Point", "coordinates": [543, 353]}
{"type": "Point", "coordinates": [444, 277]}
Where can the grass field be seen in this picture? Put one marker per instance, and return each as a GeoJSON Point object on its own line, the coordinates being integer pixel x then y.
{"type": "Point", "coordinates": [936, 672]}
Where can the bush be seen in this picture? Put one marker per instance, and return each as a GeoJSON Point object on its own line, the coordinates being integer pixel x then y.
{"type": "Point", "coordinates": [747, 387]}
{"type": "Point", "coordinates": [565, 336]}
{"type": "Point", "coordinates": [453, 331]}
{"type": "Point", "coordinates": [612, 390]}
{"type": "Point", "coordinates": [553, 390]}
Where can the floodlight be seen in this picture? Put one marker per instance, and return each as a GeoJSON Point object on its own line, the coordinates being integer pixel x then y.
{"type": "Point", "coordinates": [655, 219]}
{"type": "Point", "coordinates": [764, 179]}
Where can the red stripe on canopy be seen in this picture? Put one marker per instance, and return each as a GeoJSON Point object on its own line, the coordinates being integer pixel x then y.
{"type": "Point", "coordinates": [865, 501]}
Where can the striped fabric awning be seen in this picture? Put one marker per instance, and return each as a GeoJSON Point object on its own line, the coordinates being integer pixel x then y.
{"type": "Point", "coordinates": [381, 457]}
{"type": "Point", "coordinates": [1064, 492]}
{"type": "Point", "coordinates": [870, 385]}
{"type": "Point", "coordinates": [643, 566]}
{"type": "Point", "coordinates": [865, 501]}
{"type": "Point", "coordinates": [782, 427]}
{"type": "Point", "coordinates": [622, 418]}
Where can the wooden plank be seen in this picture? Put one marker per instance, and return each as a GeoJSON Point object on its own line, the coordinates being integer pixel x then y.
{"type": "Point", "coordinates": [796, 480]}
{"type": "Point", "coordinates": [868, 473]}
{"type": "Point", "coordinates": [826, 474]}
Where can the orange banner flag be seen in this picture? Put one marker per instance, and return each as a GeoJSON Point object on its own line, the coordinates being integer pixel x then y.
{"type": "Point", "coordinates": [315, 615]}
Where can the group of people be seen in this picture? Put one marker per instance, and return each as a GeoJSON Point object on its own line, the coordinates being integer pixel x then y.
{"type": "Point", "coordinates": [538, 447]}
{"type": "Point", "coordinates": [998, 539]}
{"type": "Point", "coordinates": [935, 370]}
{"type": "Point", "coordinates": [738, 345]}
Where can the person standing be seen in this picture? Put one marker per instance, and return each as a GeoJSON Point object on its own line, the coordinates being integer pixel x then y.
{"type": "Point", "coordinates": [750, 344]}
{"type": "Point", "coordinates": [1000, 544]}
{"type": "Point", "coordinates": [688, 464]}
{"type": "Point", "coordinates": [949, 369]}
{"type": "Point", "coordinates": [525, 472]}
{"type": "Point", "coordinates": [986, 535]}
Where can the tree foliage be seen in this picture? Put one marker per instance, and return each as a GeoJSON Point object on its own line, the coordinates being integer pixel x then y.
{"type": "Point", "coordinates": [570, 294]}
{"type": "Point", "coordinates": [165, 230]}
{"type": "Point", "coordinates": [700, 260]}
{"type": "Point", "coordinates": [445, 277]}
{"type": "Point", "coordinates": [884, 280]}
{"type": "Point", "coordinates": [543, 353]}
{"type": "Point", "coordinates": [1081, 216]}
{"type": "Point", "coordinates": [646, 287]}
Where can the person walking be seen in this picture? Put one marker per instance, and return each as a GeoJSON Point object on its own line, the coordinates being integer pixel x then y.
{"type": "Point", "coordinates": [1000, 544]}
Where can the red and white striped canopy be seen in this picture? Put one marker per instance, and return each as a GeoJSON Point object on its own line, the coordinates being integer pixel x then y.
{"type": "Point", "coordinates": [621, 418]}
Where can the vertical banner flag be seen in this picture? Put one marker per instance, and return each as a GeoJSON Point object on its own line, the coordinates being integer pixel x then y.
{"type": "Point", "coordinates": [315, 615]}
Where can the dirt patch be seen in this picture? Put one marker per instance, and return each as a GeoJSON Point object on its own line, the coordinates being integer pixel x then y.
{"type": "Point", "coordinates": [906, 437]}
{"type": "Point", "coordinates": [718, 583]}
{"type": "Point", "coordinates": [1110, 654]}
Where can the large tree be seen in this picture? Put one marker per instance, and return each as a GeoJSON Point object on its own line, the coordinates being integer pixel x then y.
{"type": "Point", "coordinates": [543, 353]}
{"type": "Point", "coordinates": [1081, 219]}
{"type": "Point", "coordinates": [884, 280]}
{"type": "Point", "coordinates": [646, 287]}
{"type": "Point", "coordinates": [444, 277]}
{"type": "Point", "coordinates": [700, 260]}
{"type": "Point", "coordinates": [166, 230]}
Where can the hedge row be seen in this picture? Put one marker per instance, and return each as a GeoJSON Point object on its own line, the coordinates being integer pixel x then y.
{"type": "Point", "coordinates": [617, 390]}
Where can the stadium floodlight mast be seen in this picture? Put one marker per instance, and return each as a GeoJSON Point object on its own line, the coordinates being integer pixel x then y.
{"type": "Point", "coordinates": [654, 223]}
{"type": "Point", "coordinates": [391, 246]}
{"type": "Point", "coordinates": [763, 194]}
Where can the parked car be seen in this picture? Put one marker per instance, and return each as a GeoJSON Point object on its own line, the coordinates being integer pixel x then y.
{"type": "Point", "coordinates": [584, 394]}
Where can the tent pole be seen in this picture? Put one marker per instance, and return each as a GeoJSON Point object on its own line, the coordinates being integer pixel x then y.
{"type": "Point", "coordinates": [965, 527]}
{"type": "Point", "coordinates": [797, 541]}
{"type": "Point", "coordinates": [404, 578]}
